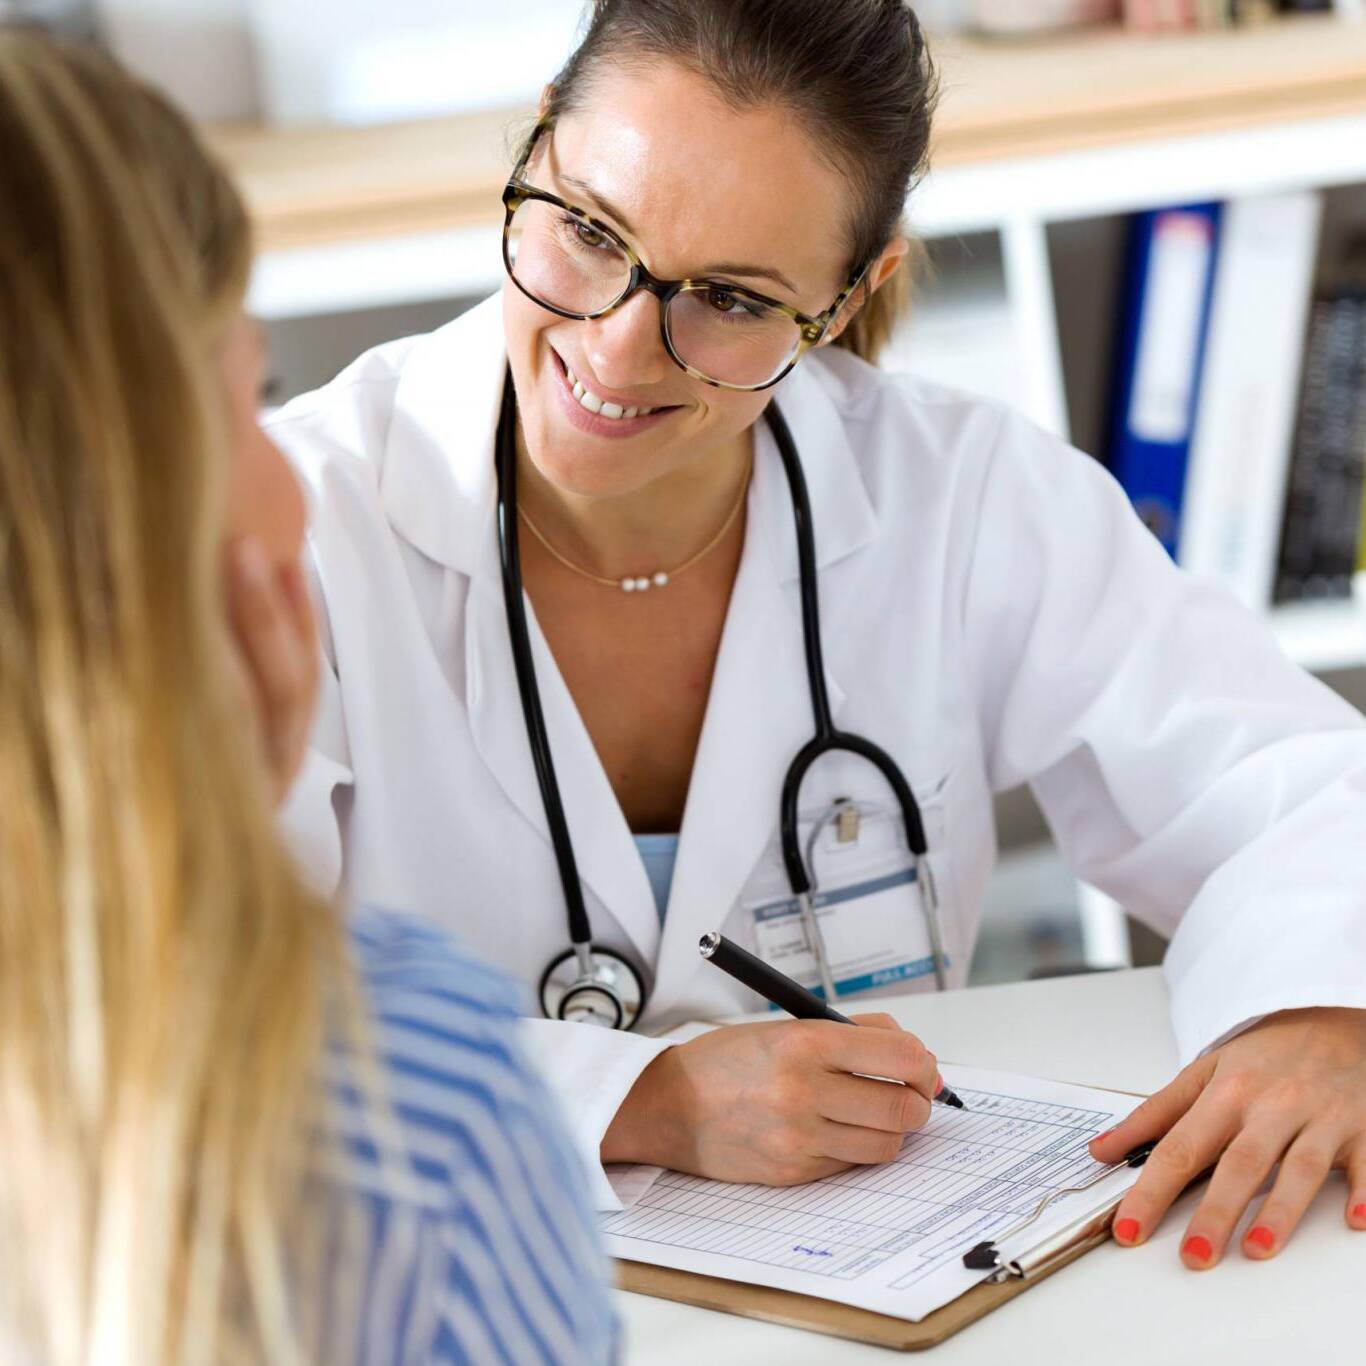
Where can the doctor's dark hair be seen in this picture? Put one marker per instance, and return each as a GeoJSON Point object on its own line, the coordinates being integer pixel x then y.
{"type": "Point", "coordinates": [857, 73]}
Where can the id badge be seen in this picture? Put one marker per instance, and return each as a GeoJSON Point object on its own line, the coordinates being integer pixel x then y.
{"type": "Point", "coordinates": [873, 925]}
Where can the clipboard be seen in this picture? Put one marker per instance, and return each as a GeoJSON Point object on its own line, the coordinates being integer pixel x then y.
{"type": "Point", "coordinates": [793, 1310]}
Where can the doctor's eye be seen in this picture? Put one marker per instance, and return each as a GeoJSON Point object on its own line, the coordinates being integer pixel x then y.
{"type": "Point", "coordinates": [732, 305]}
{"type": "Point", "coordinates": [585, 235]}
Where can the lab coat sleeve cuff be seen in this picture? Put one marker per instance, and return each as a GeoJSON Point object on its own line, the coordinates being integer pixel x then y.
{"type": "Point", "coordinates": [590, 1071]}
{"type": "Point", "coordinates": [1223, 1015]}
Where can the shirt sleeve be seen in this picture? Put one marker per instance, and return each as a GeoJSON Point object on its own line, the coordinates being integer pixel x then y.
{"type": "Point", "coordinates": [310, 816]}
{"type": "Point", "coordinates": [522, 1274]}
{"type": "Point", "coordinates": [1186, 767]}
{"type": "Point", "coordinates": [571, 1263]}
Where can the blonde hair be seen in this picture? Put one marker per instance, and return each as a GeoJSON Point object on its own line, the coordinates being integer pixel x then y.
{"type": "Point", "coordinates": [163, 971]}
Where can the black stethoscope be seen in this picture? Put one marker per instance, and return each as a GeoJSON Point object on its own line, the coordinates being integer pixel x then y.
{"type": "Point", "coordinates": [596, 985]}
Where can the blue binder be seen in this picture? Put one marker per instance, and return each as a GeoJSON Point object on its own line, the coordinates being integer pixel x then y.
{"type": "Point", "coordinates": [1163, 326]}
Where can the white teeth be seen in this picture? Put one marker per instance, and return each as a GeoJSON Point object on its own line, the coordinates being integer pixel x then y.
{"type": "Point", "coordinates": [596, 405]}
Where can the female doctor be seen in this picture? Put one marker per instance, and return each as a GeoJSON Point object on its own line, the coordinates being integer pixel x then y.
{"type": "Point", "coordinates": [577, 627]}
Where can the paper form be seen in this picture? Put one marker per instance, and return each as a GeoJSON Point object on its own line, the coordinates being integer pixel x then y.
{"type": "Point", "coordinates": [891, 1238]}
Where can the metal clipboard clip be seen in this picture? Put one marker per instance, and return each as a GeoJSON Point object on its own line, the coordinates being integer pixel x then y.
{"type": "Point", "coordinates": [986, 1256]}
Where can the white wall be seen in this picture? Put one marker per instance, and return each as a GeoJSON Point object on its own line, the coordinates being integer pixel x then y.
{"type": "Point", "coordinates": [347, 61]}
{"type": "Point", "coordinates": [198, 51]}
{"type": "Point", "coordinates": [359, 61]}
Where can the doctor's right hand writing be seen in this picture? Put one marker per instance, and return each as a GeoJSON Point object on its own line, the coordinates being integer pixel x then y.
{"type": "Point", "coordinates": [777, 1103]}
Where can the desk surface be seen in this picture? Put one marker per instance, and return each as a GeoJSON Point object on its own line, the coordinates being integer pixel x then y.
{"type": "Point", "coordinates": [1136, 1306]}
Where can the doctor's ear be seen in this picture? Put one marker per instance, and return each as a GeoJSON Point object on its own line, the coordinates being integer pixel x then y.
{"type": "Point", "coordinates": [882, 275]}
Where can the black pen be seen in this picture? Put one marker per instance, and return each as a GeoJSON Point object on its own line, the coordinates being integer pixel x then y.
{"type": "Point", "coordinates": [782, 991]}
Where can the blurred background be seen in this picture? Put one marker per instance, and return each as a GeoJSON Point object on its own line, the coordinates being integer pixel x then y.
{"type": "Point", "coordinates": [1146, 223]}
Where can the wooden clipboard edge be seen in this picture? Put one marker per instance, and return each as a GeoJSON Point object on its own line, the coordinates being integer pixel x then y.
{"type": "Point", "coordinates": [792, 1310]}
{"type": "Point", "coordinates": [789, 1309]}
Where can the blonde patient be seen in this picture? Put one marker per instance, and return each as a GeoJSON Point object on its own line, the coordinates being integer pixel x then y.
{"type": "Point", "coordinates": [209, 1144]}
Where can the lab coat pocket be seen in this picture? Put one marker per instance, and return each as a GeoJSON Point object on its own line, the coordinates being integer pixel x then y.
{"type": "Point", "coordinates": [875, 915]}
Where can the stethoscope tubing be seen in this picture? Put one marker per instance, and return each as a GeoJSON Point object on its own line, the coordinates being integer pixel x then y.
{"type": "Point", "coordinates": [519, 635]}
{"type": "Point", "coordinates": [825, 741]}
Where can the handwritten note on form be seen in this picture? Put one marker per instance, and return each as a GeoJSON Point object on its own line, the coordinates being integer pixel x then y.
{"type": "Point", "coordinates": [891, 1238]}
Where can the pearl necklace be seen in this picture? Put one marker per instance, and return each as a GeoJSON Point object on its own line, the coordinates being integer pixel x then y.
{"type": "Point", "coordinates": [634, 583]}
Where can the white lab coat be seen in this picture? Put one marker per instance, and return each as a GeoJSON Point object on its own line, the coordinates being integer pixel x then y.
{"type": "Point", "coordinates": [993, 614]}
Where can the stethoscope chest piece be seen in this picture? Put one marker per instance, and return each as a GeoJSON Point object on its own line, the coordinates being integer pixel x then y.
{"type": "Point", "coordinates": [605, 989]}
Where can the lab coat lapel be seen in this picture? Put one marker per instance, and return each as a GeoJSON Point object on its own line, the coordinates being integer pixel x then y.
{"type": "Point", "coordinates": [609, 864]}
{"type": "Point", "coordinates": [439, 490]}
{"type": "Point", "coordinates": [759, 712]}
{"type": "Point", "coordinates": [437, 481]}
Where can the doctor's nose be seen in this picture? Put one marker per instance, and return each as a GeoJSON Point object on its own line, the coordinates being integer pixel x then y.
{"type": "Point", "coordinates": [625, 348]}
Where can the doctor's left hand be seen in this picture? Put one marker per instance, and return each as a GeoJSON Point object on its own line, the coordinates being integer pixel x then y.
{"type": "Point", "coordinates": [1290, 1090]}
{"type": "Point", "coordinates": [272, 622]}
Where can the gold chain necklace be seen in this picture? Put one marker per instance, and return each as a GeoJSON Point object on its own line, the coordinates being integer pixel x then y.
{"type": "Point", "coordinates": [634, 583]}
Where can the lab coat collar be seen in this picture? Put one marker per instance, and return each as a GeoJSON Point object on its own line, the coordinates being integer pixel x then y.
{"type": "Point", "coordinates": [841, 509]}
{"type": "Point", "coordinates": [438, 483]}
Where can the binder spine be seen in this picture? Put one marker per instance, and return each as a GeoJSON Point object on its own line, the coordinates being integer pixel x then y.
{"type": "Point", "coordinates": [1160, 358]}
{"type": "Point", "coordinates": [1323, 509]}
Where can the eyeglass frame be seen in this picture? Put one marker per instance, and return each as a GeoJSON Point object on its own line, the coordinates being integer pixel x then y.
{"type": "Point", "coordinates": [811, 328]}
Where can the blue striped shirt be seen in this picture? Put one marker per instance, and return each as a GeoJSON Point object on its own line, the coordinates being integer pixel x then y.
{"type": "Point", "coordinates": [462, 1227]}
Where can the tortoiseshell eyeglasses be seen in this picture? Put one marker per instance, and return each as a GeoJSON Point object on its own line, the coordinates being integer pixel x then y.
{"type": "Point", "coordinates": [573, 264]}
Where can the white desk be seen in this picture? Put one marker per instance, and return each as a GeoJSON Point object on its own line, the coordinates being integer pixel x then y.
{"type": "Point", "coordinates": [1114, 1306]}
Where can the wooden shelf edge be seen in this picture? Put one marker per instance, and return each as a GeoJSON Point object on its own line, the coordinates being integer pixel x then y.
{"type": "Point", "coordinates": [312, 187]}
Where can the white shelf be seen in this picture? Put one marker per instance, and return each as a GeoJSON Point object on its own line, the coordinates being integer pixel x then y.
{"type": "Point", "coordinates": [1322, 636]}
{"type": "Point", "coordinates": [1125, 177]}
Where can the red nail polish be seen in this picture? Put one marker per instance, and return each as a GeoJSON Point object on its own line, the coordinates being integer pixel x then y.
{"type": "Point", "coordinates": [1106, 1134]}
{"type": "Point", "coordinates": [1126, 1230]}
{"type": "Point", "coordinates": [1199, 1248]}
{"type": "Point", "coordinates": [1262, 1236]}
{"type": "Point", "coordinates": [1359, 1211]}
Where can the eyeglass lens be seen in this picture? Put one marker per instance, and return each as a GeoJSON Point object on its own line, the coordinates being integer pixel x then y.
{"type": "Point", "coordinates": [565, 262]}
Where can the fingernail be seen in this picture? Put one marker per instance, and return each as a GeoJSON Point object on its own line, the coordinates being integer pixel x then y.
{"type": "Point", "coordinates": [1262, 1236]}
{"type": "Point", "coordinates": [1126, 1230]}
{"type": "Point", "coordinates": [938, 1083]}
{"type": "Point", "coordinates": [1359, 1211]}
{"type": "Point", "coordinates": [1197, 1247]}
{"type": "Point", "coordinates": [1106, 1134]}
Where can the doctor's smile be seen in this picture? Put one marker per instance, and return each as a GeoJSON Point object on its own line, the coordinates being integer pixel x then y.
{"type": "Point", "coordinates": [598, 410]}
